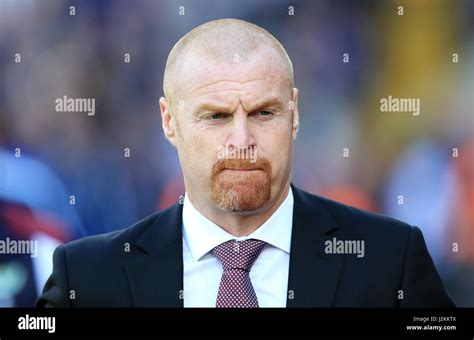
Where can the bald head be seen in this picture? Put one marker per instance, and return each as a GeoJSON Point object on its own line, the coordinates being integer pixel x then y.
{"type": "Point", "coordinates": [224, 41]}
{"type": "Point", "coordinates": [229, 86]}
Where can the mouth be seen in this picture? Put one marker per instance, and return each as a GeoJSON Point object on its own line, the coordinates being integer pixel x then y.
{"type": "Point", "coordinates": [244, 170]}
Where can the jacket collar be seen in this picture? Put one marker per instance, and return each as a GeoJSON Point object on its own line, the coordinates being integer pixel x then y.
{"type": "Point", "coordinates": [313, 274]}
{"type": "Point", "coordinates": [156, 277]}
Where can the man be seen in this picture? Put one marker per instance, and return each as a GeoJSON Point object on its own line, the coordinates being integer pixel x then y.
{"type": "Point", "coordinates": [244, 236]}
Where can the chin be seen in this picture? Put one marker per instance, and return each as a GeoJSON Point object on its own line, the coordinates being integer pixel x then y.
{"type": "Point", "coordinates": [242, 198]}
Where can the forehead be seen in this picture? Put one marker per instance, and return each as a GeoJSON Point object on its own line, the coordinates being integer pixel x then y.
{"type": "Point", "coordinates": [262, 74]}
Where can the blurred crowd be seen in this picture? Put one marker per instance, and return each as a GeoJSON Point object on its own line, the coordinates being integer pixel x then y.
{"type": "Point", "coordinates": [66, 175]}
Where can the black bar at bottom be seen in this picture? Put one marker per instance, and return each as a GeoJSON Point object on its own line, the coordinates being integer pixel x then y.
{"type": "Point", "coordinates": [84, 322]}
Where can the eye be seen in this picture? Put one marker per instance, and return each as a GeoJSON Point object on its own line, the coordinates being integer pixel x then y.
{"type": "Point", "coordinates": [216, 116]}
{"type": "Point", "coordinates": [263, 114]}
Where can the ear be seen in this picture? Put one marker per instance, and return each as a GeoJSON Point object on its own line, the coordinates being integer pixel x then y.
{"type": "Point", "coordinates": [168, 122]}
{"type": "Point", "coordinates": [296, 117]}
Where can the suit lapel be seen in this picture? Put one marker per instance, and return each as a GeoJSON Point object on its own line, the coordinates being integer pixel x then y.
{"type": "Point", "coordinates": [313, 274]}
{"type": "Point", "coordinates": [156, 277]}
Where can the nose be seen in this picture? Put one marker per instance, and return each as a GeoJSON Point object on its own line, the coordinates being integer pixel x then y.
{"type": "Point", "coordinates": [241, 136]}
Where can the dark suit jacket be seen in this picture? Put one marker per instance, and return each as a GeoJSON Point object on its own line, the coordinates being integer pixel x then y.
{"type": "Point", "coordinates": [98, 271]}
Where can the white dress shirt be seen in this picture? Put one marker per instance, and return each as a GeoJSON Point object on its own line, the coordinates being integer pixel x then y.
{"type": "Point", "coordinates": [203, 270]}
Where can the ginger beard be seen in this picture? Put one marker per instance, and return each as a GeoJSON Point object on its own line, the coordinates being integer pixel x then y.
{"type": "Point", "coordinates": [240, 185]}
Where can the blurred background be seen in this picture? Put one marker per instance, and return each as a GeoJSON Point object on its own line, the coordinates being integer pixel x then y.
{"type": "Point", "coordinates": [66, 175]}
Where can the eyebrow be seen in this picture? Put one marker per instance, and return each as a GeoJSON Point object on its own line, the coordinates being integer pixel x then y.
{"type": "Point", "coordinates": [270, 102]}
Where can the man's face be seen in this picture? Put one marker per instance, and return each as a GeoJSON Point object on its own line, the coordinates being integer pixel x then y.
{"type": "Point", "coordinates": [234, 125]}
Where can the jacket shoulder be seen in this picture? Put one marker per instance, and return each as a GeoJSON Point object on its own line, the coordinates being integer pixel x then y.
{"type": "Point", "coordinates": [358, 221]}
{"type": "Point", "coordinates": [112, 243]}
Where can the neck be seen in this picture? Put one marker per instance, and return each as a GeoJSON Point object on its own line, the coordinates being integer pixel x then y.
{"type": "Point", "coordinates": [242, 224]}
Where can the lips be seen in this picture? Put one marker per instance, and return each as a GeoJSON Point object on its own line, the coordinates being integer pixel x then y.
{"type": "Point", "coordinates": [242, 169]}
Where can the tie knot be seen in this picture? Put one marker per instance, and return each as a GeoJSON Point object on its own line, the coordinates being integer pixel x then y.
{"type": "Point", "coordinates": [238, 254]}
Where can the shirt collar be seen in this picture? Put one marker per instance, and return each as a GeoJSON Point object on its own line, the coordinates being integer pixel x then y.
{"type": "Point", "coordinates": [202, 235]}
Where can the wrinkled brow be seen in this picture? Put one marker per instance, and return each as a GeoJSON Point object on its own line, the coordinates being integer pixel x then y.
{"type": "Point", "coordinates": [274, 102]}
